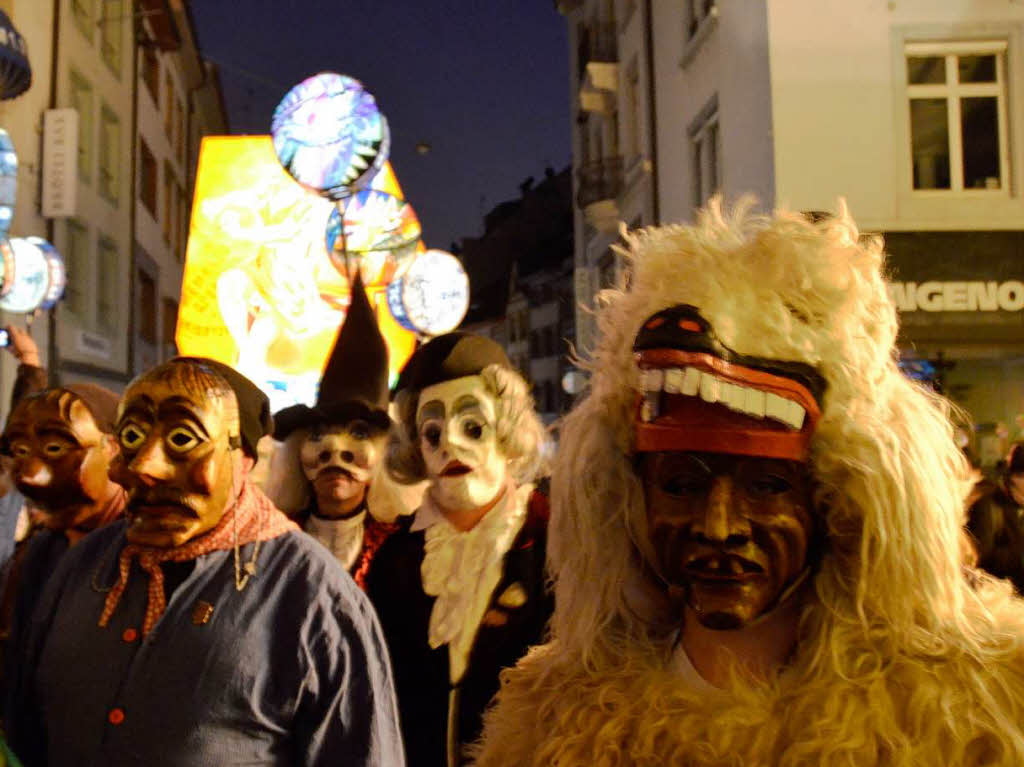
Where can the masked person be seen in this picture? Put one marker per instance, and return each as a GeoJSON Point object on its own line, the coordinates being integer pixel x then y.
{"type": "Point", "coordinates": [755, 529]}
{"type": "Point", "coordinates": [332, 451]}
{"type": "Point", "coordinates": [59, 444]}
{"type": "Point", "coordinates": [206, 629]}
{"type": "Point", "coordinates": [460, 589]}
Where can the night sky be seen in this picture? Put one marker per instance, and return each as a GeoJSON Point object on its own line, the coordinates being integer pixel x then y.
{"type": "Point", "coordinates": [484, 82]}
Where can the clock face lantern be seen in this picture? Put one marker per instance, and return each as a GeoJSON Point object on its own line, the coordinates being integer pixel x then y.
{"type": "Point", "coordinates": [37, 276]}
{"type": "Point", "coordinates": [329, 135]}
{"type": "Point", "coordinates": [432, 295]}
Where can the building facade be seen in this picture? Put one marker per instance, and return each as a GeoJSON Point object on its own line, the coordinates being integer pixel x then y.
{"type": "Point", "coordinates": [131, 72]}
{"type": "Point", "coordinates": [913, 111]}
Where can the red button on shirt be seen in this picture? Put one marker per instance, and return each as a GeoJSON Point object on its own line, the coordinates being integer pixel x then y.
{"type": "Point", "coordinates": [116, 716]}
{"type": "Point", "coordinates": [130, 635]}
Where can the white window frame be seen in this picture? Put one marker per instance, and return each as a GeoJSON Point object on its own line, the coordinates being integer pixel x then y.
{"type": "Point", "coordinates": [706, 127]}
{"type": "Point", "coordinates": [952, 91]}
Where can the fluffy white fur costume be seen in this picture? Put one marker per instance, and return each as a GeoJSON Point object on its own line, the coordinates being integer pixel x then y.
{"type": "Point", "coordinates": [901, 659]}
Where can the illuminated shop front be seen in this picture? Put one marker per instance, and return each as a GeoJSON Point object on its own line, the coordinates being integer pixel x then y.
{"type": "Point", "coordinates": [961, 301]}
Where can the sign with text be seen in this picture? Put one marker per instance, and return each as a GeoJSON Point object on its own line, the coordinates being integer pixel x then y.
{"type": "Point", "coordinates": [60, 163]}
{"type": "Point", "coordinates": [958, 296]}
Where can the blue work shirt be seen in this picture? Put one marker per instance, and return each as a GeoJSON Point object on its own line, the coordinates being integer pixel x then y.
{"type": "Point", "coordinates": [292, 670]}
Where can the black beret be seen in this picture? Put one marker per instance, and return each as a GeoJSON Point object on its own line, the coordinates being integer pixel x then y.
{"type": "Point", "coordinates": [447, 357]}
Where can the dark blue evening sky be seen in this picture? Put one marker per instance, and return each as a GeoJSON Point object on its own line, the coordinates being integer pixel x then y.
{"type": "Point", "coordinates": [485, 83]}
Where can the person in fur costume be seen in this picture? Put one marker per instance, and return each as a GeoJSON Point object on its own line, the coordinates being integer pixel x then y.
{"type": "Point", "coordinates": [792, 594]}
{"type": "Point", "coordinates": [331, 454]}
{"type": "Point", "coordinates": [460, 589]}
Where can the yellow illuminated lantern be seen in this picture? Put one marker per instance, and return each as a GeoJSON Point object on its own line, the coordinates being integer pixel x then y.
{"type": "Point", "coordinates": [260, 291]}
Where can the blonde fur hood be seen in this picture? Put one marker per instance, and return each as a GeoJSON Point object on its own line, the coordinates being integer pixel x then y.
{"type": "Point", "coordinates": [903, 657]}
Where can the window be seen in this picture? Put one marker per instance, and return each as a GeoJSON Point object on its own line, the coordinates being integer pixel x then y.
{"type": "Point", "coordinates": [76, 262]}
{"type": "Point", "coordinates": [151, 72]}
{"type": "Point", "coordinates": [180, 135]}
{"type": "Point", "coordinates": [696, 12]}
{"type": "Point", "coordinates": [147, 307]}
{"type": "Point", "coordinates": [957, 102]}
{"type": "Point", "coordinates": [108, 271]}
{"type": "Point", "coordinates": [147, 177]}
{"type": "Point", "coordinates": [110, 148]}
{"type": "Point", "coordinates": [183, 222]}
{"type": "Point", "coordinates": [170, 325]}
{"type": "Point", "coordinates": [83, 13]}
{"type": "Point", "coordinates": [82, 102]}
{"type": "Point", "coordinates": [111, 38]}
{"type": "Point", "coordinates": [633, 116]}
{"type": "Point", "coordinates": [171, 101]}
{"type": "Point", "coordinates": [170, 202]}
{"type": "Point", "coordinates": [705, 153]}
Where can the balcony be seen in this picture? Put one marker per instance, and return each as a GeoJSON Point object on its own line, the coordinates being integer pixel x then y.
{"type": "Point", "coordinates": [598, 186]}
{"type": "Point", "coordinates": [597, 63]}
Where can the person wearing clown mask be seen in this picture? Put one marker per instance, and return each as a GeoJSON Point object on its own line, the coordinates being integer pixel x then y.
{"type": "Point", "coordinates": [460, 589]}
{"type": "Point", "coordinates": [206, 628]}
{"type": "Point", "coordinates": [327, 470]}
{"type": "Point", "coordinates": [756, 528]}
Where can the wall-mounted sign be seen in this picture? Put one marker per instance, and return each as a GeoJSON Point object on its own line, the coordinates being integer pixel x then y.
{"type": "Point", "coordinates": [97, 346]}
{"type": "Point", "coordinates": [935, 296]}
{"type": "Point", "coordinates": [60, 163]}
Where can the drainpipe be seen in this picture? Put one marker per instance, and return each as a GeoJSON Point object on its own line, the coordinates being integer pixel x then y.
{"type": "Point", "coordinates": [652, 120]}
{"type": "Point", "coordinates": [52, 360]}
{"type": "Point", "coordinates": [132, 191]}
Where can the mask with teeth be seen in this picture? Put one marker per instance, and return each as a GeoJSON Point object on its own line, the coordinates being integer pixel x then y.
{"type": "Point", "coordinates": [724, 438]}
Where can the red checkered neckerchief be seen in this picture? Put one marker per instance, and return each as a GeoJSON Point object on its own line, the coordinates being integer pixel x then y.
{"type": "Point", "coordinates": [253, 519]}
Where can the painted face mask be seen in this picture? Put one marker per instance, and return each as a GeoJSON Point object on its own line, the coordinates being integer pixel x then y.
{"type": "Point", "coordinates": [732, 533]}
{"type": "Point", "coordinates": [455, 422]}
{"type": "Point", "coordinates": [339, 461]}
{"type": "Point", "coordinates": [60, 456]}
{"type": "Point", "coordinates": [178, 436]}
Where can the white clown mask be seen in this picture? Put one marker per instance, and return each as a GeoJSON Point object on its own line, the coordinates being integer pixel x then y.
{"type": "Point", "coordinates": [456, 424]}
{"type": "Point", "coordinates": [339, 460]}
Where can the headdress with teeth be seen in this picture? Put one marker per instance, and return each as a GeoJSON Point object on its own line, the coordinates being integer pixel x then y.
{"type": "Point", "coordinates": [698, 394]}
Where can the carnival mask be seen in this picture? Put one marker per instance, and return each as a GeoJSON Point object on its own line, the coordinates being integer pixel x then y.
{"type": "Point", "coordinates": [339, 461]}
{"type": "Point", "coordinates": [60, 456]}
{"type": "Point", "coordinates": [181, 466]}
{"type": "Point", "coordinates": [456, 424]}
{"type": "Point", "coordinates": [732, 533]}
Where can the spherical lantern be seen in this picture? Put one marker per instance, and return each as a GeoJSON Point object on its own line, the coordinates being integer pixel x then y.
{"type": "Point", "coordinates": [31, 278]}
{"type": "Point", "coordinates": [8, 181]}
{"type": "Point", "coordinates": [380, 235]}
{"type": "Point", "coordinates": [432, 295]}
{"type": "Point", "coordinates": [57, 274]}
{"type": "Point", "coordinates": [329, 135]}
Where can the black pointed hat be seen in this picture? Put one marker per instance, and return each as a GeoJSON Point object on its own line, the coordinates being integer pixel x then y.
{"type": "Point", "coordinates": [354, 384]}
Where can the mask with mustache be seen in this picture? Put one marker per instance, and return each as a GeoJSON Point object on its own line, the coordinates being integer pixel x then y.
{"type": "Point", "coordinates": [339, 461]}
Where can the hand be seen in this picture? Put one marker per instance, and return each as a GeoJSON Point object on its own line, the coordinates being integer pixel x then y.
{"type": "Point", "coordinates": [22, 346]}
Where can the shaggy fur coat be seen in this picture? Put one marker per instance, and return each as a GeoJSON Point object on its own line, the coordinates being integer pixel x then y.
{"type": "Point", "coordinates": [904, 656]}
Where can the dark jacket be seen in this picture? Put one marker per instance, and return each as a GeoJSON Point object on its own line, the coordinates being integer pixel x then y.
{"type": "Point", "coordinates": [421, 673]}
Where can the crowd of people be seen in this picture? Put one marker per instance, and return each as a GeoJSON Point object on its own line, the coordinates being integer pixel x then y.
{"type": "Point", "coordinates": [763, 545]}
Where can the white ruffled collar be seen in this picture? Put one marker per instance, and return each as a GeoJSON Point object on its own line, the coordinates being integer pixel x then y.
{"type": "Point", "coordinates": [462, 569]}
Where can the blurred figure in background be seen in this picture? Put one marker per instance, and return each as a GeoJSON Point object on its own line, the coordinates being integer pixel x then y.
{"type": "Point", "coordinates": [995, 520]}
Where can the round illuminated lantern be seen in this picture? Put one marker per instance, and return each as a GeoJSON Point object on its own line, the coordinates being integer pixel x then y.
{"type": "Point", "coordinates": [58, 276]}
{"type": "Point", "coordinates": [431, 297]}
{"type": "Point", "coordinates": [329, 135]}
{"type": "Point", "coordinates": [31, 277]}
{"type": "Point", "coordinates": [380, 234]}
{"type": "Point", "coordinates": [8, 181]}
